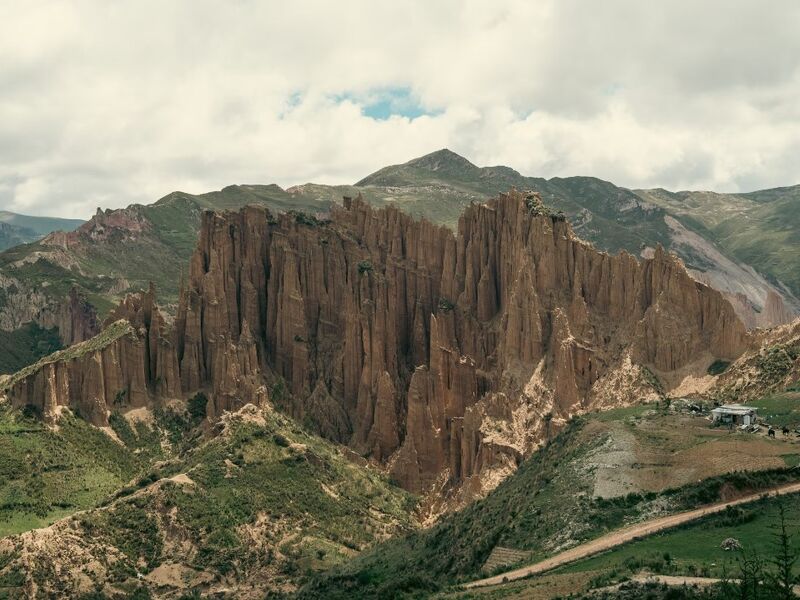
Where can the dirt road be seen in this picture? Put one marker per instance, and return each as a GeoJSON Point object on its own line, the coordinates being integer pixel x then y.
{"type": "Point", "coordinates": [675, 580]}
{"type": "Point", "coordinates": [622, 536]}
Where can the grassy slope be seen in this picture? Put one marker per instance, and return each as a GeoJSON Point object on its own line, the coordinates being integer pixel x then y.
{"type": "Point", "coordinates": [25, 346]}
{"type": "Point", "coordinates": [21, 229]}
{"type": "Point", "coordinates": [695, 548]}
{"type": "Point", "coordinates": [544, 507]}
{"type": "Point", "coordinates": [761, 228]}
{"type": "Point", "coordinates": [46, 475]}
{"type": "Point", "coordinates": [266, 505]}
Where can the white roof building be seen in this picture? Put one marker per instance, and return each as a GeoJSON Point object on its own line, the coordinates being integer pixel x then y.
{"type": "Point", "coordinates": [735, 413]}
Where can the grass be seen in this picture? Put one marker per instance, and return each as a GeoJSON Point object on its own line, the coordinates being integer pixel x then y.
{"type": "Point", "coordinates": [779, 409]}
{"type": "Point", "coordinates": [262, 500]}
{"type": "Point", "coordinates": [694, 549]}
{"type": "Point", "coordinates": [46, 475]}
{"type": "Point", "coordinates": [26, 345]}
{"type": "Point", "coordinates": [232, 472]}
{"type": "Point", "coordinates": [546, 506]}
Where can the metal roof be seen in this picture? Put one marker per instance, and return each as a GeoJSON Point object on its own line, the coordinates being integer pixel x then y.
{"type": "Point", "coordinates": [735, 409]}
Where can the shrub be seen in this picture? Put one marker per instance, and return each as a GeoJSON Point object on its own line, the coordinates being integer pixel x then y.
{"type": "Point", "coordinates": [364, 267]}
{"type": "Point", "coordinates": [197, 406]}
{"type": "Point", "coordinates": [718, 367]}
{"type": "Point", "coordinates": [445, 305]}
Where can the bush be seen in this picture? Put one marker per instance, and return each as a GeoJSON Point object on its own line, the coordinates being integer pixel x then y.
{"type": "Point", "coordinates": [197, 406]}
{"type": "Point", "coordinates": [718, 367]}
{"type": "Point", "coordinates": [445, 305]}
{"type": "Point", "coordinates": [364, 267]}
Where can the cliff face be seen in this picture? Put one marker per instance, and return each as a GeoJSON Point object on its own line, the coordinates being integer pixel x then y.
{"type": "Point", "coordinates": [410, 343]}
{"type": "Point", "coordinates": [449, 357]}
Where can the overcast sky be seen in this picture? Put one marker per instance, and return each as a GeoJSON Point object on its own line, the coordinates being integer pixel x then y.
{"type": "Point", "coordinates": [109, 103]}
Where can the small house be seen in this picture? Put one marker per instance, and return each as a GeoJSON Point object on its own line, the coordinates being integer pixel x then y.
{"type": "Point", "coordinates": [738, 414]}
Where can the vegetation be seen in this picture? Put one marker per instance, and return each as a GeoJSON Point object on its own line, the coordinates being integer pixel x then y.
{"type": "Point", "coordinates": [446, 305]}
{"type": "Point", "coordinates": [782, 408]}
{"type": "Point", "coordinates": [26, 345]}
{"type": "Point", "coordinates": [768, 532]}
{"type": "Point", "coordinates": [260, 497]}
{"type": "Point", "coordinates": [107, 336]}
{"type": "Point", "coordinates": [545, 506]}
{"type": "Point", "coordinates": [718, 367]}
{"type": "Point", "coordinates": [46, 474]}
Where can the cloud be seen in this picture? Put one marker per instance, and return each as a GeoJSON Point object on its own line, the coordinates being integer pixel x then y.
{"type": "Point", "coordinates": [105, 104]}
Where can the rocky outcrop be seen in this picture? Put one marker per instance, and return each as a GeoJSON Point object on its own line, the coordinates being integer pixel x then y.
{"type": "Point", "coordinates": [400, 332]}
{"type": "Point", "coordinates": [448, 357]}
{"type": "Point", "coordinates": [75, 318]}
{"type": "Point", "coordinates": [90, 378]}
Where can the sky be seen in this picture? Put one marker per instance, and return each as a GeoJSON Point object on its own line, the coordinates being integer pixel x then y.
{"type": "Point", "coordinates": [112, 103]}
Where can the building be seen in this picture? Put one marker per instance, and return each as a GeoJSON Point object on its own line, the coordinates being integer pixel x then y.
{"type": "Point", "coordinates": [738, 414]}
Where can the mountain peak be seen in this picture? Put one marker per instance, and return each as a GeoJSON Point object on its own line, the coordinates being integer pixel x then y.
{"type": "Point", "coordinates": [442, 160]}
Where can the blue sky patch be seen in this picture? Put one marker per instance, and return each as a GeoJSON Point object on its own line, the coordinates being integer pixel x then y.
{"type": "Point", "coordinates": [383, 103]}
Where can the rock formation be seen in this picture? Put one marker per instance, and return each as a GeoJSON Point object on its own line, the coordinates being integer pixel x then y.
{"type": "Point", "coordinates": [447, 357]}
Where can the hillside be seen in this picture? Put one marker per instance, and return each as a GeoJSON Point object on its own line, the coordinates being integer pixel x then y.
{"type": "Point", "coordinates": [255, 509]}
{"type": "Point", "coordinates": [436, 354]}
{"type": "Point", "coordinates": [70, 280]}
{"type": "Point", "coordinates": [459, 365]}
{"type": "Point", "coordinates": [603, 472]}
{"type": "Point", "coordinates": [18, 229]}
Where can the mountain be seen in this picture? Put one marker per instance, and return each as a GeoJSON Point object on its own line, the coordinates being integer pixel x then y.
{"type": "Point", "coordinates": [115, 252]}
{"type": "Point", "coordinates": [21, 229]}
{"type": "Point", "coordinates": [437, 353]}
{"type": "Point", "coordinates": [71, 280]}
{"type": "Point", "coordinates": [254, 442]}
{"type": "Point", "coordinates": [762, 288]}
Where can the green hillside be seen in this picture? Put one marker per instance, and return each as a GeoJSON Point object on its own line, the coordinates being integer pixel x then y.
{"type": "Point", "coordinates": [761, 229]}
{"type": "Point", "coordinates": [257, 508]}
{"type": "Point", "coordinates": [550, 504]}
{"type": "Point", "coordinates": [21, 229]}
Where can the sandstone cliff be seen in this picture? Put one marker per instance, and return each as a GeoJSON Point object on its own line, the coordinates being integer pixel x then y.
{"type": "Point", "coordinates": [446, 356]}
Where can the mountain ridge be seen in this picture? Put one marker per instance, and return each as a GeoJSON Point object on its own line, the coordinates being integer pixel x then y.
{"type": "Point", "coordinates": [114, 252]}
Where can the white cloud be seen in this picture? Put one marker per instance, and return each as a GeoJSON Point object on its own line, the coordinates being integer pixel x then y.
{"type": "Point", "coordinates": [111, 103]}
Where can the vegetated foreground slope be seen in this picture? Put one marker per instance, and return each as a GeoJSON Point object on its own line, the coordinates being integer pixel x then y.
{"type": "Point", "coordinates": [565, 494]}
{"type": "Point", "coordinates": [46, 474]}
{"type": "Point", "coordinates": [255, 509]}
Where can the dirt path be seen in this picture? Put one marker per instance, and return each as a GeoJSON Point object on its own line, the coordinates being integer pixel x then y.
{"type": "Point", "coordinates": [675, 580]}
{"type": "Point", "coordinates": [622, 536]}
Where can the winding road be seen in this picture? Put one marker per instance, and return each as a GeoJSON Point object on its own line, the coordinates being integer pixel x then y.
{"type": "Point", "coordinates": [622, 536]}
